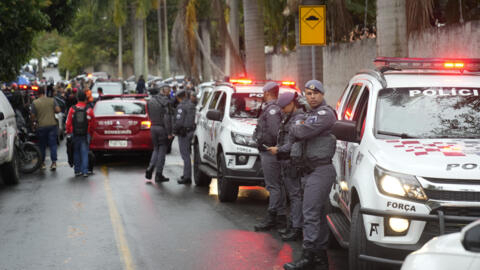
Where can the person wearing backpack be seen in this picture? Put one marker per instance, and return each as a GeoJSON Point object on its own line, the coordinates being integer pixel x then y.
{"type": "Point", "coordinates": [79, 120]}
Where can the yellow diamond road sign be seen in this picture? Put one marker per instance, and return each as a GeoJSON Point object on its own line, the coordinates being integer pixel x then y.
{"type": "Point", "coordinates": [313, 25]}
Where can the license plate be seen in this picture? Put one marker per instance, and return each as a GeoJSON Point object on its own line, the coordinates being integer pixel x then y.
{"type": "Point", "coordinates": [123, 143]}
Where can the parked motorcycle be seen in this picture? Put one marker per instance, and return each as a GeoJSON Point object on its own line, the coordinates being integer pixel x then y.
{"type": "Point", "coordinates": [28, 152]}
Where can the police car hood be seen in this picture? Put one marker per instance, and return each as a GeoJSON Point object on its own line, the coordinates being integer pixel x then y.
{"type": "Point", "coordinates": [243, 125]}
{"type": "Point", "coordinates": [436, 158]}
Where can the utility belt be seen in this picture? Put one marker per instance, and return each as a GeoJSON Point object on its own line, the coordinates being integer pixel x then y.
{"type": "Point", "coordinates": [183, 131]}
{"type": "Point", "coordinates": [309, 167]}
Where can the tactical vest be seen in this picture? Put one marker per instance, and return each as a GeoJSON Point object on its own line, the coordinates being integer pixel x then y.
{"type": "Point", "coordinates": [261, 135]}
{"type": "Point", "coordinates": [320, 149]}
{"type": "Point", "coordinates": [157, 108]}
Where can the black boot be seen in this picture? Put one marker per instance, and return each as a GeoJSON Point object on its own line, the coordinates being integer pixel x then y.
{"type": "Point", "coordinates": [284, 229]}
{"type": "Point", "coordinates": [184, 181]}
{"type": "Point", "coordinates": [282, 225]}
{"type": "Point", "coordinates": [321, 260]}
{"type": "Point", "coordinates": [294, 234]}
{"type": "Point", "coordinates": [160, 178]}
{"type": "Point", "coordinates": [269, 223]}
{"type": "Point", "coordinates": [148, 173]}
{"type": "Point", "coordinates": [306, 262]}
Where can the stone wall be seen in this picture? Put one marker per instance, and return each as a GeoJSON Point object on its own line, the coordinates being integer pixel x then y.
{"type": "Point", "coordinates": [449, 41]}
{"type": "Point", "coordinates": [342, 61]}
{"type": "Point", "coordinates": [281, 66]}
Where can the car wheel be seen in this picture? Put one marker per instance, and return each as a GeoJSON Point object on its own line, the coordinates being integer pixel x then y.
{"type": "Point", "coordinates": [201, 179]}
{"type": "Point", "coordinates": [10, 171]}
{"type": "Point", "coordinates": [358, 242]}
{"type": "Point", "coordinates": [227, 191]}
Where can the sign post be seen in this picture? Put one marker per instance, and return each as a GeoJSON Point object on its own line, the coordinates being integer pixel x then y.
{"type": "Point", "coordinates": [313, 28]}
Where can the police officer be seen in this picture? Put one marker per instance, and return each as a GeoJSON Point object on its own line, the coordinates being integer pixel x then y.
{"type": "Point", "coordinates": [184, 128]}
{"type": "Point", "coordinates": [266, 136]}
{"type": "Point", "coordinates": [161, 132]}
{"type": "Point", "coordinates": [291, 178]}
{"type": "Point", "coordinates": [318, 149]}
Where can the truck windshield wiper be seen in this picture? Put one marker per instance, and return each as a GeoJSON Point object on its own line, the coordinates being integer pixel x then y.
{"type": "Point", "coordinates": [400, 135]}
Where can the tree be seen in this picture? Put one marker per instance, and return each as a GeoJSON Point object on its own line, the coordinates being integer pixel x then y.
{"type": "Point", "coordinates": [254, 39]}
{"type": "Point", "coordinates": [20, 21]}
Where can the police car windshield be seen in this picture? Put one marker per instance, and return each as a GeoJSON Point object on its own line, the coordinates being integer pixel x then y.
{"type": "Point", "coordinates": [110, 108]}
{"type": "Point", "coordinates": [245, 105]}
{"type": "Point", "coordinates": [429, 112]}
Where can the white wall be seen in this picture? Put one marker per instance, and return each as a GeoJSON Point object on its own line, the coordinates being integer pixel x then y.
{"type": "Point", "coordinates": [341, 62]}
{"type": "Point", "coordinates": [450, 41]}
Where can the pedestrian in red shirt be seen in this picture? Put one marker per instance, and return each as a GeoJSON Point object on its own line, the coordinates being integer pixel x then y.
{"type": "Point", "coordinates": [78, 124]}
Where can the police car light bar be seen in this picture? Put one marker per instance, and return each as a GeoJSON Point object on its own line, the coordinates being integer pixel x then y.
{"type": "Point", "coordinates": [459, 64]}
{"type": "Point", "coordinates": [245, 81]}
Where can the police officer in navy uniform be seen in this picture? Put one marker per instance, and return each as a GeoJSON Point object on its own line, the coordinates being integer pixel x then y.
{"type": "Point", "coordinates": [265, 135]}
{"type": "Point", "coordinates": [317, 152]}
{"type": "Point", "coordinates": [160, 131]}
{"type": "Point", "coordinates": [290, 105]}
{"type": "Point", "coordinates": [184, 127]}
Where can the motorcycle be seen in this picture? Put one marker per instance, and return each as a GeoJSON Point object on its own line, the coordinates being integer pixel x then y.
{"type": "Point", "coordinates": [28, 152]}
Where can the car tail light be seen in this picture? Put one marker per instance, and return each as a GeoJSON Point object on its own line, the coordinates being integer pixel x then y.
{"type": "Point", "coordinates": [35, 88]}
{"type": "Point", "coordinates": [145, 125]}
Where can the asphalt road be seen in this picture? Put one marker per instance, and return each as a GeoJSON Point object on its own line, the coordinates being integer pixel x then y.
{"type": "Point", "coordinates": [116, 220]}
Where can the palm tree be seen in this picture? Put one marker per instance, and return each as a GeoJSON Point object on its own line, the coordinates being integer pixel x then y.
{"type": "Point", "coordinates": [119, 18]}
{"type": "Point", "coordinates": [254, 39]}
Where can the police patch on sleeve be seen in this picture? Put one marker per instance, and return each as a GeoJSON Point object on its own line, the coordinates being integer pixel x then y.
{"type": "Point", "coordinates": [322, 112]}
{"type": "Point", "coordinates": [272, 111]}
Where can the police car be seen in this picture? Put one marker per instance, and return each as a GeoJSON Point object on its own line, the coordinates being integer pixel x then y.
{"type": "Point", "coordinates": [8, 130]}
{"type": "Point", "coordinates": [452, 251]}
{"type": "Point", "coordinates": [223, 143]}
{"type": "Point", "coordinates": [408, 157]}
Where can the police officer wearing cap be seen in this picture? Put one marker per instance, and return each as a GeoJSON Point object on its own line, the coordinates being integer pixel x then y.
{"type": "Point", "coordinates": [318, 148]}
{"type": "Point", "coordinates": [184, 128]}
{"type": "Point", "coordinates": [161, 132]}
{"type": "Point", "coordinates": [266, 136]}
{"type": "Point", "coordinates": [292, 112]}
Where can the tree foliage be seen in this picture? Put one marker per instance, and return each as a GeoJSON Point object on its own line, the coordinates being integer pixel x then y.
{"type": "Point", "coordinates": [93, 42]}
{"type": "Point", "coordinates": [21, 21]}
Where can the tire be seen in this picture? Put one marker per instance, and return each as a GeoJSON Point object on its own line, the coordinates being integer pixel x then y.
{"type": "Point", "coordinates": [200, 178]}
{"type": "Point", "coordinates": [9, 171]}
{"type": "Point", "coordinates": [358, 242]}
{"type": "Point", "coordinates": [30, 158]}
{"type": "Point", "coordinates": [227, 191]}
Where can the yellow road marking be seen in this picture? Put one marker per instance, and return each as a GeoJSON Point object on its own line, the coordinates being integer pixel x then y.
{"type": "Point", "coordinates": [120, 238]}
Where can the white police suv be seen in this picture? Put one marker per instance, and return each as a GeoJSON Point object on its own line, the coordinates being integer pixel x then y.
{"type": "Point", "coordinates": [408, 157]}
{"type": "Point", "coordinates": [8, 131]}
{"type": "Point", "coordinates": [223, 144]}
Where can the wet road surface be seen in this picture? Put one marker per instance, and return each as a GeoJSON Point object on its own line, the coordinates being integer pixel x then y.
{"type": "Point", "coordinates": [116, 220]}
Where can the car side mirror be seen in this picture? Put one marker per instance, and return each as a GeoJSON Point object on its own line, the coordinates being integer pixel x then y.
{"type": "Point", "coordinates": [214, 115]}
{"type": "Point", "coordinates": [2, 116]}
{"type": "Point", "coordinates": [471, 238]}
{"type": "Point", "coordinates": [345, 130]}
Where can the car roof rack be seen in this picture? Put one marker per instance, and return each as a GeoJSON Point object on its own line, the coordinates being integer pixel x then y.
{"type": "Point", "coordinates": [460, 65]}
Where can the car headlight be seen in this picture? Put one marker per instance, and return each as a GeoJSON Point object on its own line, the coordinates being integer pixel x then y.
{"type": "Point", "coordinates": [399, 185]}
{"type": "Point", "coordinates": [242, 139]}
